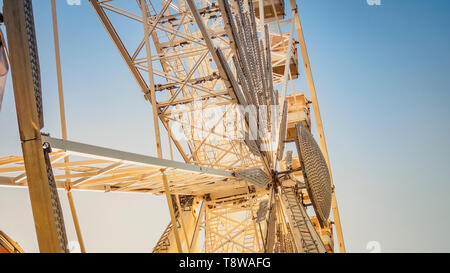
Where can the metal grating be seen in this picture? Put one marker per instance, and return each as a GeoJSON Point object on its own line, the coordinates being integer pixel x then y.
{"type": "Point", "coordinates": [34, 59]}
{"type": "Point", "coordinates": [56, 204]}
{"type": "Point", "coordinates": [251, 144]}
{"type": "Point", "coordinates": [255, 176]}
{"type": "Point", "coordinates": [262, 211]}
{"type": "Point", "coordinates": [305, 236]}
{"type": "Point", "coordinates": [288, 160]}
{"type": "Point", "coordinates": [317, 180]}
{"type": "Point", "coordinates": [283, 131]}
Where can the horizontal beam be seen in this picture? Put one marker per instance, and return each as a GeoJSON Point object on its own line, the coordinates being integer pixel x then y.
{"type": "Point", "coordinates": [191, 99]}
{"type": "Point", "coordinates": [115, 155]}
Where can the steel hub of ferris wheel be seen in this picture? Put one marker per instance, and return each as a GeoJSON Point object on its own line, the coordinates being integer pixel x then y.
{"type": "Point", "coordinates": [220, 78]}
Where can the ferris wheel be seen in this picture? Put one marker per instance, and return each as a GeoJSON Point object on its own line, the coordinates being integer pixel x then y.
{"type": "Point", "coordinates": [220, 77]}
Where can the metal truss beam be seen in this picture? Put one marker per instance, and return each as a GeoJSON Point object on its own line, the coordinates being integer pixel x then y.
{"type": "Point", "coordinates": [120, 156]}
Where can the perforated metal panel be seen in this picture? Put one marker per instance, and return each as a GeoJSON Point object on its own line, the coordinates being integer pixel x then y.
{"type": "Point", "coordinates": [318, 182]}
{"type": "Point", "coordinates": [56, 204]}
{"type": "Point", "coordinates": [252, 145]}
{"type": "Point", "coordinates": [262, 211]}
{"type": "Point", "coordinates": [255, 176]}
{"type": "Point", "coordinates": [34, 59]}
{"type": "Point", "coordinates": [288, 160]}
{"type": "Point", "coordinates": [283, 131]}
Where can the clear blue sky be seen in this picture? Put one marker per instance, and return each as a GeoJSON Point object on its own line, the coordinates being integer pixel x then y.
{"type": "Point", "coordinates": [383, 78]}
